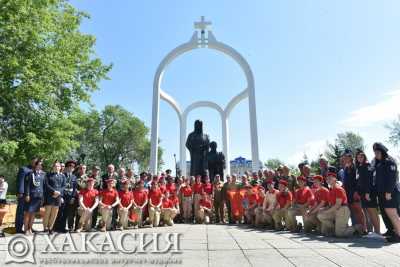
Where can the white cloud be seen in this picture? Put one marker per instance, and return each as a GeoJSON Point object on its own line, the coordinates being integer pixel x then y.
{"type": "Point", "coordinates": [383, 111]}
{"type": "Point", "coordinates": [312, 149]}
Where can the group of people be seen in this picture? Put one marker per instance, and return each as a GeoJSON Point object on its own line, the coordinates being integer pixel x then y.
{"type": "Point", "coordinates": [74, 199]}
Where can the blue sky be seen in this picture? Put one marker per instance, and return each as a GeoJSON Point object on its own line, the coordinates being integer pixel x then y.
{"type": "Point", "coordinates": [320, 68]}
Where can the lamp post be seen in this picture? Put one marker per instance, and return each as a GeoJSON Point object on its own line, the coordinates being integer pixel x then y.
{"type": "Point", "coordinates": [176, 170]}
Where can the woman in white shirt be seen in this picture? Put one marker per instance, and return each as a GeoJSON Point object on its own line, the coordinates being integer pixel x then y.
{"type": "Point", "coordinates": [3, 191]}
{"type": "Point", "coordinates": [3, 201]}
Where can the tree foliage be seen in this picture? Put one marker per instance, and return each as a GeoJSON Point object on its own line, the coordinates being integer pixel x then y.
{"type": "Point", "coordinates": [273, 164]}
{"type": "Point", "coordinates": [394, 135]}
{"type": "Point", "coordinates": [113, 135]}
{"type": "Point", "coordinates": [347, 140]}
{"type": "Point", "coordinates": [47, 67]}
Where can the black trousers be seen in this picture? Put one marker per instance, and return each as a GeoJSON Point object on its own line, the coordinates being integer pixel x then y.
{"type": "Point", "coordinates": [66, 216]}
{"type": "Point", "coordinates": [385, 218]}
{"type": "Point", "coordinates": [94, 217]}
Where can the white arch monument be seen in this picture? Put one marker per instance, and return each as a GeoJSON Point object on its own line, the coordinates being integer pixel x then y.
{"type": "Point", "coordinates": [203, 38]}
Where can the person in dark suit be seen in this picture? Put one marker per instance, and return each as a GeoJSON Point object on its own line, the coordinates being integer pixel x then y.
{"type": "Point", "coordinates": [22, 173]}
{"type": "Point", "coordinates": [66, 213]}
{"type": "Point", "coordinates": [33, 194]}
{"type": "Point", "coordinates": [386, 177]}
{"type": "Point", "coordinates": [53, 196]}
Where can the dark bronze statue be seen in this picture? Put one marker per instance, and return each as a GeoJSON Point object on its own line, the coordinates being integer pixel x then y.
{"type": "Point", "coordinates": [216, 162]}
{"type": "Point", "coordinates": [198, 145]}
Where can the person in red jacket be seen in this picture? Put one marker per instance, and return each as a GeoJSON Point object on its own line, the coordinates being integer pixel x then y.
{"type": "Point", "coordinates": [321, 199]}
{"type": "Point", "coordinates": [303, 198]}
{"type": "Point", "coordinates": [155, 201]}
{"type": "Point", "coordinates": [250, 204]}
{"type": "Point", "coordinates": [335, 219]}
{"type": "Point", "coordinates": [176, 204]}
{"type": "Point", "coordinates": [186, 193]}
{"type": "Point", "coordinates": [205, 210]}
{"type": "Point", "coordinates": [170, 186]}
{"type": "Point", "coordinates": [108, 200]}
{"type": "Point", "coordinates": [168, 212]}
{"type": "Point", "coordinates": [207, 186]}
{"type": "Point", "coordinates": [197, 192]}
{"type": "Point", "coordinates": [125, 204]}
{"type": "Point", "coordinates": [88, 201]}
{"type": "Point", "coordinates": [139, 201]}
{"type": "Point", "coordinates": [284, 200]}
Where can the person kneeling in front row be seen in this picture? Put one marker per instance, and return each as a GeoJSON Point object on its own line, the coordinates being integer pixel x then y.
{"type": "Point", "coordinates": [335, 219]}
{"type": "Point", "coordinates": [205, 209]}
{"type": "Point", "coordinates": [88, 201]}
{"type": "Point", "coordinates": [168, 211]}
{"type": "Point", "coordinates": [284, 200]}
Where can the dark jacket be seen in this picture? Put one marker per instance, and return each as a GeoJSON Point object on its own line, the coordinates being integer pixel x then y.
{"type": "Point", "coordinates": [70, 189]}
{"type": "Point", "coordinates": [365, 182]}
{"type": "Point", "coordinates": [34, 184]}
{"type": "Point", "coordinates": [54, 182]}
{"type": "Point", "coordinates": [22, 173]}
{"type": "Point", "coordinates": [350, 183]}
{"type": "Point", "coordinates": [386, 175]}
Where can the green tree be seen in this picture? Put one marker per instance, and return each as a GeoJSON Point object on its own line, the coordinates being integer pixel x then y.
{"type": "Point", "coordinates": [394, 135]}
{"type": "Point", "coordinates": [273, 163]}
{"type": "Point", "coordinates": [115, 136]}
{"type": "Point", "coordinates": [47, 69]}
{"type": "Point", "coordinates": [347, 140]}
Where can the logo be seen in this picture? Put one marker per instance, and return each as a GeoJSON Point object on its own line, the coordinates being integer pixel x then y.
{"type": "Point", "coordinates": [20, 249]}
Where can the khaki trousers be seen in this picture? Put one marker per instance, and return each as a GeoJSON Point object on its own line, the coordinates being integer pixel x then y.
{"type": "Point", "coordinates": [312, 222]}
{"type": "Point", "coordinates": [204, 215]}
{"type": "Point", "coordinates": [50, 215]}
{"type": "Point", "coordinates": [139, 213]}
{"type": "Point", "coordinates": [85, 220]}
{"type": "Point", "coordinates": [296, 210]}
{"type": "Point", "coordinates": [250, 215]}
{"type": "Point", "coordinates": [154, 215]}
{"type": "Point", "coordinates": [336, 221]}
{"type": "Point", "coordinates": [106, 216]}
{"type": "Point", "coordinates": [278, 216]}
{"type": "Point", "coordinates": [123, 217]}
{"type": "Point", "coordinates": [187, 203]}
{"type": "Point", "coordinates": [168, 215]}
{"type": "Point", "coordinates": [196, 204]}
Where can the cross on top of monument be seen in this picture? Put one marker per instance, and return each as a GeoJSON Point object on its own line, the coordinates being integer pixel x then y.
{"type": "Point", "coordinates": [202, 24]}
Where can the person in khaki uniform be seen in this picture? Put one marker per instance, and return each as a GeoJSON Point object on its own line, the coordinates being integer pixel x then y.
{"type": "Point", "coordinates": [88, 201]}
{"type": "Point", "coordinates": [140, 200]}
{"type": "Point", "coordinates": [335, 219]}
{"type": "Point", "coordinates": [155, 201]}
{"type": "Point", "coordinates": [284, 200]}
{"type": "Point", "coordinates": [126, 202]}
{"type": "Point", "coordinates": [168, 212]}
{"type": "Point", "coordinates": [205, 208]}
{"type": "Point", "coordinates": [108, 200]}
{"type": "Point", "coordinates": [269, 203]}
{"type": "Point", "coordinates": [321, 198]}
{"type": "Point", "coordinates": [186, 194]}
{"type": "Point", "coordinates": [249, 203]}
{"type": "Point", "coordinates": [259, 213]}
{"type": "Point", "coordinates": [218, 199]}
{"type": "Point", "coordinates": [197, 192]}
{"type": "Point", "coordinates": [303, 198]}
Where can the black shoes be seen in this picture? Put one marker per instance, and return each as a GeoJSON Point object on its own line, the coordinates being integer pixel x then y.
{"type": "Point", "coordinates": [393, 239]}
{"type": "Point", "coordinates": [389, 233]}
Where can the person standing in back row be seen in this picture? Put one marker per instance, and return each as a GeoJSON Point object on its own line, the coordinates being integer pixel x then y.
{"type": "Point", "coordinates": [387, 184]}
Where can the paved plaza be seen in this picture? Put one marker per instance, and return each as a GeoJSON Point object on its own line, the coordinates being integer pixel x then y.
{"type": "Point", "coordinates": [235, 245]}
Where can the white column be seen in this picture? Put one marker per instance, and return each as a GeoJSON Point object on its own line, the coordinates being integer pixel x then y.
{"type": "Point", "coordinates": [253, 129]}
{"type": "Point", "coordinates": [182, 145]}
{"type": "Point", "coordinates": [154, 130]}
{"type": "Point", "coordinates": [225, 142]}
